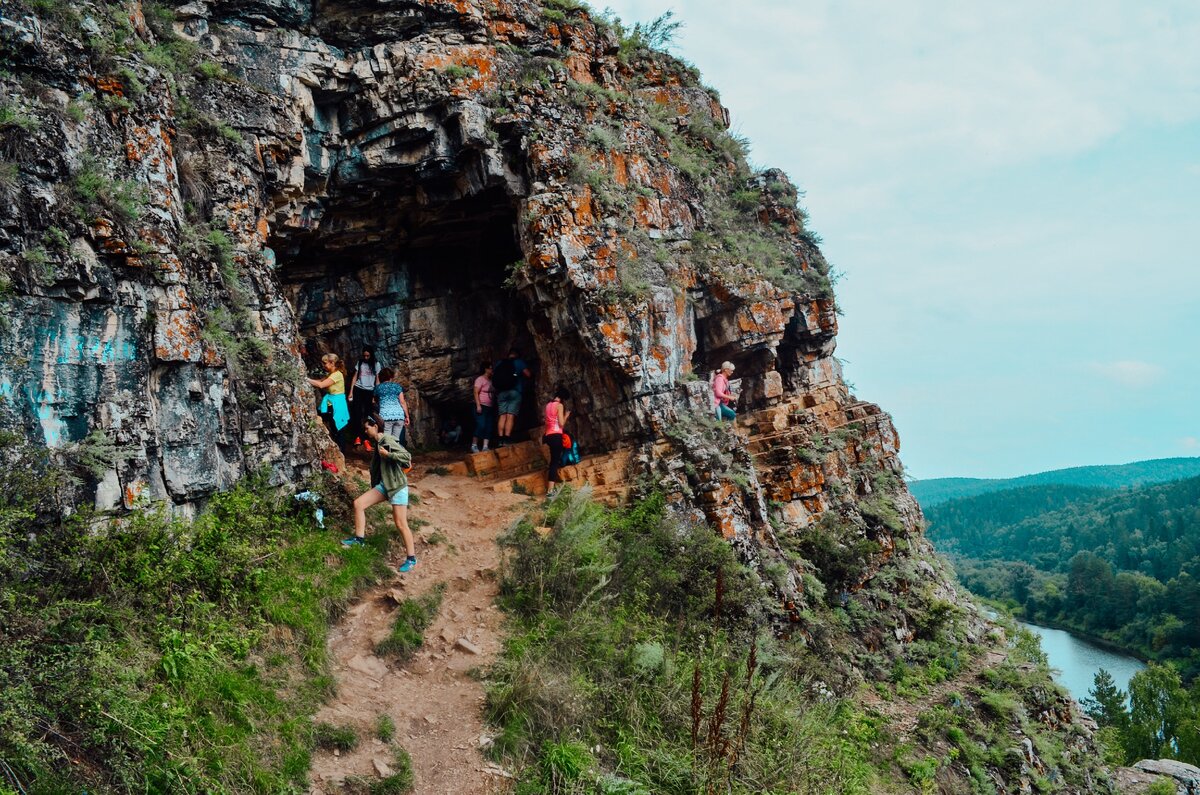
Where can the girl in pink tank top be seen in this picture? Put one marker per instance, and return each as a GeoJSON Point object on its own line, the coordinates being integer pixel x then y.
{"type": "Point", "coordinates": [556, 416]}
{"type": "Point", "coordinates": [552, 423]}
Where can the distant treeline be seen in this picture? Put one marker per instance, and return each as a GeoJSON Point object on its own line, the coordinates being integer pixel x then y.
{"type": "Point", "coordinates": [935, 491]}
{"type": "Point", "coordinates": [1121, 565]}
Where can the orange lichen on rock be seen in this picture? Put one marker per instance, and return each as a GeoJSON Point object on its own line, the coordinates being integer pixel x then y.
{"type": "Point", "coordinates": [579, 67]}
{"type": "Point", "coordinates": [108, 84]}
{"type": "Point", "coordinates": [132, 492]}
{"type": "Point", "coordinates": [620, 168]}
{"type": "Point", "coordinates": [478, 57]}
{"type": "Point", "coordinates": [616, 332]}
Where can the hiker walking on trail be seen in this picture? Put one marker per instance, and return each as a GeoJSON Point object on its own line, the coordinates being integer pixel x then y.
{"type": "Point", "coordinates": [333, 405]}
{"type": "Point", "coordinates": [556, 418]}
{"type": "Point", "coordinates": [485, 412]}
{"type": "Point", "coordinates": [721, 394]}
{"type": "Point", "coordinates": [393, 408]}
{"type": "Point", "coordinates": [507, 384]}
{"type": "Point", "coordinates": [388, 483]}
{"type": "Point", "coordinates": [362, 396]}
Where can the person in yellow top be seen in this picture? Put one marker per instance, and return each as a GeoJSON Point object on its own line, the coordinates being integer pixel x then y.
{"type": "Point", "coordinates": [334, 405]}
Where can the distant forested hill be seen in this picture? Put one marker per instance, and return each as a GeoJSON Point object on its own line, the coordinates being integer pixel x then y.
{"type": "Point", "coordinates": [1151, 529]}
{"type": "Point", "coordinates": [1119, 564]}
{"type": "Point", "coordinates": [969, 526]}
{"type": "Point", "coordinates": [1160, 470]}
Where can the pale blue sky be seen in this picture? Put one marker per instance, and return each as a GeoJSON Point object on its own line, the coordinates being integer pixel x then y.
{"type": "Point", "coordinates": [1013, 192]}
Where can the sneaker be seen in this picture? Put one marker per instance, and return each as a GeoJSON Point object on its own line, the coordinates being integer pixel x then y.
{"type": "Point", "coordinates": [353, 541]}
{"type": "Point", "coordinates": [485, 444]}
{"type": "Point", "coordinates": [408, 565]}
{"type": "Point", "coordinates": [475, 448]}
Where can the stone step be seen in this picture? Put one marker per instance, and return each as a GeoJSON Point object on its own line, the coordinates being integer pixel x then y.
{"type": "Point", "coordinates": [604, 473]}
{"type": "Point", "coordinates": [506, 462]}
{"type": "Point", "coordinates": [764, 442]}
{"type": "Point", "coordinates": [532, 483]}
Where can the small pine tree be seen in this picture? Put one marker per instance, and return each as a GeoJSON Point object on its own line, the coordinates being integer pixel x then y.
{"type": "Point", "coordinates": [1106, 702]}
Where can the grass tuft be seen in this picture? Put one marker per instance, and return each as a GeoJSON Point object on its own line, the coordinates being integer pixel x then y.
{"type": "Point", "coordinates": [413, 617]}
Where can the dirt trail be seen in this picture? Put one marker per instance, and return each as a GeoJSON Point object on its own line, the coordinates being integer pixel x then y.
{"type": "Point", "coordinates": [436, 705]}
{"type": "Point", "coordinates": [903, 716]}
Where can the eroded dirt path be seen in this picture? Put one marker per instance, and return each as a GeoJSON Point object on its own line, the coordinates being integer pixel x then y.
{"type": "Point", "coordinates": [436, 705]}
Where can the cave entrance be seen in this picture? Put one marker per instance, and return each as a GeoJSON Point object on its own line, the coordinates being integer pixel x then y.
{"type": "Point", "coordinates": [422, 285]}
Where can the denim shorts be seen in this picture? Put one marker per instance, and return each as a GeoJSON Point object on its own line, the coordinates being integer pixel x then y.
{"type": "Point", "coordinates": [509, 402]}
{"type": "Point", "coordinates": [399, 498]}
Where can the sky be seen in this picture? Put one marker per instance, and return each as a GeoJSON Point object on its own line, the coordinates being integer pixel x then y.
{"type": "Point", "coordinates": [1012, 192]}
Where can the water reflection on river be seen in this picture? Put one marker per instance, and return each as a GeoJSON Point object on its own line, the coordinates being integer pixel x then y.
{"type": "Point", "coordinates": [1076, 661]}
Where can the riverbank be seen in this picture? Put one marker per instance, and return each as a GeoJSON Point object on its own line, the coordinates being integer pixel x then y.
{"type": "Point", "coordinates": [1104, 643]}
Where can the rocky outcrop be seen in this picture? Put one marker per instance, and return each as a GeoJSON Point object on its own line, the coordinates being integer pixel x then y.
{"type": "Point", "coordinates": [1184, 777]}
{"type": "Point", "coordinates": [199, 202]}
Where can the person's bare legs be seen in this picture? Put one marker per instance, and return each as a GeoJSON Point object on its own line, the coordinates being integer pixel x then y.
{"type": "Point", "coordinates": [361, 504]}
{"type": "Point", "coordinates": [400, 517]}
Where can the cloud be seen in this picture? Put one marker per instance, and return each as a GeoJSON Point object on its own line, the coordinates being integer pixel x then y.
{"type": "Point", "coordinates": [1129, 372]}
{"type": "Point", "coordinates": [849, 90]}
{"type": "Point", "coordinates": [1189, 443]}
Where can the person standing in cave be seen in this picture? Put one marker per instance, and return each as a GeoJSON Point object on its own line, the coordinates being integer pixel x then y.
{"type": "Point", "coordinates": [721, 394]}
{"type": "Point", "coordinates": [389, 482]}
{"type": "Point", "coordinates": [393, 408]}
{"type": "Point", "coordinates": [333, 405]}
{"type": "Point", "coordinates": [362, 396]}
{"type": "Point", "coordinates": [485, 411]}
{"type": "Point", "coordinates": [508, 386]}
{"type": "Point", "coordinates": [556, 418]}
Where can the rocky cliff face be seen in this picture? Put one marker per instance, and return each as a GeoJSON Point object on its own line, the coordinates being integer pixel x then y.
{"type": "Point", "coordinates": [200, 200]}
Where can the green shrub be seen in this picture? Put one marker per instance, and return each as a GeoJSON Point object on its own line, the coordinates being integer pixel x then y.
{"type": "Point", "coordinates": [11, 116]}
{"type": "Point", "coordinates": [99, 193]}
{"type": "Point", "coordinates": [1162, 786]}
{"type": "Point", "coordinates": [328, 737]}
{"type": "Point", "coordinates": [385, 728]}
{"type": "Point", "coordinates": [10, 175]}
{"type": "Point", "coordinates": [211, 70]}
{"type": "Point", "coordinates": [563, 764]}
{"type": "Point", "coordinates": [413, 616]}
{"type": "Point", "coordinates": [399, 782]}
{"type": "Point", "coordinates": [458, 71]}
{"type": "Point", "coordinates": [174, 656]}
{"type": "Point", "coordinates": [639, 635]}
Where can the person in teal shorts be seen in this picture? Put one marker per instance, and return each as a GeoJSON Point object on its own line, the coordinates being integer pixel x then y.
{"type": "Point", "coordinates": [390, 483]}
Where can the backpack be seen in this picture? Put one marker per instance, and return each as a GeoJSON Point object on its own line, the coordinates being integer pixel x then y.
{"type": "Point", "coordinates": [570, 453]}
{"type": "Point", "coordinates": [504, 376]}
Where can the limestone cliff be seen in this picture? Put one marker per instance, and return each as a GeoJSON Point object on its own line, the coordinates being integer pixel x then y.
{"type": "Point", "coordinates": [198, 201]}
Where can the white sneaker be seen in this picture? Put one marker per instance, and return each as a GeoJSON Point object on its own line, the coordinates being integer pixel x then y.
{"type": "Point", "coordinates": [475, 448]}
{"type": "Point", "coordinates": [485, 444]}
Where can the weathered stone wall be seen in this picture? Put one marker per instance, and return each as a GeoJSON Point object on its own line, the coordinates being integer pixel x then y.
{"type": "Point", "coordinates": [376, 172]}
{"type": "Point", "coordinates": [439, 181]}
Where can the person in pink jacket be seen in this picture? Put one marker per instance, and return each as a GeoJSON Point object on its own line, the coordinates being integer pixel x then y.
{"type": "Point", "coordinates": [722, 397]}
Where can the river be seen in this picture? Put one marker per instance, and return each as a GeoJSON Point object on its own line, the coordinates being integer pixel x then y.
{"type": "Point", "coordinates": [1075, 661]}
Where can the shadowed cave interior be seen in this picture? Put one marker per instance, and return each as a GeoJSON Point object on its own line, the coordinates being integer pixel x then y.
{"type": "Point", "coordinates": [424, 286]}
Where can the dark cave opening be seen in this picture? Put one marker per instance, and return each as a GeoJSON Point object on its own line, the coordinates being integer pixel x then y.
{"type": "Point", "coordinates": [424, 286]}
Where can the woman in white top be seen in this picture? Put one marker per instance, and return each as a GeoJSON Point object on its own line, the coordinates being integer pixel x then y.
{"type": "Point", "coordinates": [362, 396]}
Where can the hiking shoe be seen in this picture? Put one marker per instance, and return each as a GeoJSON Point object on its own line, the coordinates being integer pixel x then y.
{"type": "Point", "coordinates": [353, 541]}
{"type": "Point", "coordinates": [408, 565]}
